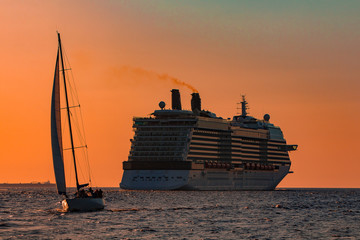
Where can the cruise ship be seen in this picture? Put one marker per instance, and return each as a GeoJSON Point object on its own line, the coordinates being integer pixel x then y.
{"type": "Point", "coordinates": [177, 149]}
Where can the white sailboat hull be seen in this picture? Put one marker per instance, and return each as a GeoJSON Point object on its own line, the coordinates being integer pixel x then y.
{"type": "Point", "coordinates": [83, 204]}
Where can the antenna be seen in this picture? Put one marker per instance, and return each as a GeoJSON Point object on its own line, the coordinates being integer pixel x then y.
{"type": "Point", "coordinates": [243, 107]}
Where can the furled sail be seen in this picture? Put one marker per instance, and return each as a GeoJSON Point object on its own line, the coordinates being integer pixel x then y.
{"type": "Point", "coordinates": [56, 136]}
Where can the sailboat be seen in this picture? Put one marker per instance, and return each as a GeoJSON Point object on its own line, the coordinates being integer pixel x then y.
{"type": "Point", "coordinates": [85, 199]}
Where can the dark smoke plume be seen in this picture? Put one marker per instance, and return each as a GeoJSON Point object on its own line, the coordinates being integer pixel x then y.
{"type": "Point", "coordinates": [153, 75]}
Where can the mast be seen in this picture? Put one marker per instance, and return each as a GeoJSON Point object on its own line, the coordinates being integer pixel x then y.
{"type": "Point", "coordinates": [68, 114]}
{"type": "Point", "coordinates": [244, 106]}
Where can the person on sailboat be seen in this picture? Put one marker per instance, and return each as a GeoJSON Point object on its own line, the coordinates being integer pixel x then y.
{"type": "Point", "coordinates": [91, 191]}
{"type": "Point", "coordinates": [98, 193]}
{"type": "Point", "coordinates": [81, 193]}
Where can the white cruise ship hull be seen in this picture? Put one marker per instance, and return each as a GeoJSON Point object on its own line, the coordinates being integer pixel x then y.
{"type": "Point", "coordinates": [207, 179]}
{"type": "Point", "coordinates": [177, 149]}
{"type": "Point", "coordinates": [83, 204]}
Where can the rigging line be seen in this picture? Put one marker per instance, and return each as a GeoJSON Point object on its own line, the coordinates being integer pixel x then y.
{"type": "Point", "coordinates": [76, 106]}
{"type": "Point", "coordinates": [75, 98]}
{"type": "Point", "coordinates": [86, 155]}
{"type": "Point", "coordinates": [82, 124]}
{"type": "Point", "coordinates": [67, 104]}
{"type": "Point", "coordinates": [72, 94]}
{"type": "Point", "coordinates": [75, 148]}
{"type": "Point", "coordinates": [78, 129]}
{"type": "Point", "coordinates": [76, 124]}
{"type": "Point", "coordinates": [81, 172]}
{"type": "Point", "coordinates": [89, 171]}
{"type": "Point", "coordinates": [86, 163]}
{"type": "Point", "coordinates": [75, 88]}
{"type": "Point", "coordinates": [72, 78]}
{"type": "Point", "coordinates": [69, 79]}
{"type": "Point", "coordinates": [83, 168]}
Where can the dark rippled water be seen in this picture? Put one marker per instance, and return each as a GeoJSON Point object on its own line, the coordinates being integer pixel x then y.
{"type": "Point", "coordinates": [281, 214]}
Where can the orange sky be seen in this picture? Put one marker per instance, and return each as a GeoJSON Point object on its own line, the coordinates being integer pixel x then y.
{"type": "Point", "coordinates": [297, 61]}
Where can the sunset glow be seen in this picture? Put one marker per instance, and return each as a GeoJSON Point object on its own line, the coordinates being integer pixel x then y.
{"type": "Point", "coordinates": [297, 61]}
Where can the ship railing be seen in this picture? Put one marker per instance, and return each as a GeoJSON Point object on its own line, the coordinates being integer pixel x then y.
{"type": "Point", "coordinates": [161, 134]}
{"type": "Point", "coordinates": [157, 148]}
{"type": "Point", "coordinates": [160, 139]}
{"type": "Point", "coordinates": [157, 152]}
{"type": "Point", "coordinates": [156, 158]}
{"type": "Point", "coordinates": [163, 126]}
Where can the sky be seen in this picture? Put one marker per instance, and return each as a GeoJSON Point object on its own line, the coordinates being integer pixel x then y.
{"type": "Point", "coordinates": [295, 60]}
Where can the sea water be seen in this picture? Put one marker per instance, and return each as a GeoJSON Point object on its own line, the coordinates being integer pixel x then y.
{"type": "Point", "coordinates": [279, 214]}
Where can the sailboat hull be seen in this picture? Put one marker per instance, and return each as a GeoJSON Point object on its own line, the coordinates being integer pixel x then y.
{"type": "Point", "coordinates": [83, 204]}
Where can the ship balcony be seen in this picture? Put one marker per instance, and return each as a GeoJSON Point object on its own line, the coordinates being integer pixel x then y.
{"type": "Point", "coordinates": [157, 144]}
{"type": "Point", "coordinates": [171, 164]}
{"type": "Point", "coordinates": [158, 158]}
{"type": "Point", "coordinates": [158, 141]}
{"type": "Point", "coordinates": [163, 126]}
{"type": "Point", "coordinates": [162, 133]}
{"type": "Point", "coordinates": [157, 148]}
{"type": "Point", "coordinates": [156, 153]}
{"type": "Point", "coordinates": [164, 138]}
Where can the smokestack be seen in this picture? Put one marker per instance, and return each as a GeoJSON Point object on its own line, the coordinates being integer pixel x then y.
{"type": "Point", "coordinates": [175, 98]}
{"type": "Point", "coordinates": [195, 102]}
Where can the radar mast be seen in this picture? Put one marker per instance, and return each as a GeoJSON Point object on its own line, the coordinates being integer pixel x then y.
{"type": "Point", "coordinates": [244, 106]}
